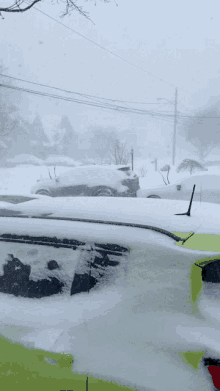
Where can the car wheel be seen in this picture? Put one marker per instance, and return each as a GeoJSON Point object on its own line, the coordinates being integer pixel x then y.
{"type": "Point", "coordinates": [153, 196]}
{"type": "Point", "coordinates": [43, 192]}
{"type": "Point", "coordinates": [103, 193]}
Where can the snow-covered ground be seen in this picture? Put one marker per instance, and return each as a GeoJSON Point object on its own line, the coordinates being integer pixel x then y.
{"type": "Point", "coordinates": [21, 178]}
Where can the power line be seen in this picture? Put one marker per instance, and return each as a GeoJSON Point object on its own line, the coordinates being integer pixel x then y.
{"type": "Point", "coordinates": [71, 99]}
{"type": "Point", "coordinates": [98, 99]}
{"type": "Point", "coordinates": [78, 93]}
{"type": "Point", "coordinates": [94, 104]}
{"type": "Point", "coordinates": [131, 110]}
{"type": "Point", "coordinates": [109, 51]}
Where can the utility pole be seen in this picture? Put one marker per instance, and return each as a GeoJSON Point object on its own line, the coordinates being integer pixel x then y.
{"type": "Point", "coordinates": [174, 130]}
{"type": "Point", "coordinates": [132, 159]}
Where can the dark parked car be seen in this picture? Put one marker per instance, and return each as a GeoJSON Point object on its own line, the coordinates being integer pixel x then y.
{"type": "Point", "coordinates": [91, 181]}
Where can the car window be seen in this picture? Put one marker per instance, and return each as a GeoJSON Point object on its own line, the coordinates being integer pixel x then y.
{"type": "Point", "coordinates": [39, 267]}
{"type": "Point", "coordinates": [36, 271]}
{"type": "Point", "coordinates": [67, 174]}
{"type": "Point", "coordinates": [211, 182]}
{"type": "Point", "coordinates": [190, 182]}
{"type": "Point", "coordinates": [211, 272]}
{"type": "Point", "coordinates": [205, 182]}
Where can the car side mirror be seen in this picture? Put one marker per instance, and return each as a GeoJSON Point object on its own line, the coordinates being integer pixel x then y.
{"type": "Point", "coordinates": [178, 187]}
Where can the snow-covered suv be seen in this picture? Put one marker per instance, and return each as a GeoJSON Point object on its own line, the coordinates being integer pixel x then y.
{"type": "Point", "coordinates": [91, 181]}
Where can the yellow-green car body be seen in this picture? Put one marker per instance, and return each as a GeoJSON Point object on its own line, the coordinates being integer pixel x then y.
{"type": "Point", "coordinates": [203, 242]}
{"type": "Point", "coordinates": [191, 241]}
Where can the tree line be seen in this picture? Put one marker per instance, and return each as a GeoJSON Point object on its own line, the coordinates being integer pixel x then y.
{"type": "Point", "coordinates": [21, 135]}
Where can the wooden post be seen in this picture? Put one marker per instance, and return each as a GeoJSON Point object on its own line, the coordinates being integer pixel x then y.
{"type": "Point", "coordinates": [155, 163]}
{"type": "Point", "coordinates": [132, 159]}
{"type": "Point", "coordinates": [174, 131]}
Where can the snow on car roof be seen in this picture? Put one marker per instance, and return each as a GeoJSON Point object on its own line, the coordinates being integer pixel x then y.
{"type": "Point", "coordinates": [93, 176]}
{"type": "Point", "coordinates": [99, 172]}
{"type": "Point", "coordinates": [97, 166]}
{"type": "Point", "coordinates": [199, 174]}
{"type": "Point", "coordinates": [158, 213]}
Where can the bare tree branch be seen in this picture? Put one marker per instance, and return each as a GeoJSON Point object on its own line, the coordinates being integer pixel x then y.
{"type": "Point", "coordinates": [168, 175]}
{"type": "Point", "coordinates": [101, 140]}
{"type": "Point", "coordinates": [166, 168]}
{"type": "Point", "coordinates": [119, 152]}
{"type": "Point", "coordinates": [18, 9]}
{"type": "Point", "coordinates": [49, 173]}
{"type": "Point", "coordinates": [70, 5]}
{"type": "Point", "coordinates": [17, 3]}
{"type": "Point", "coordinates": [163, 177]}
{"type": "Point", "coordinates": [202, 148]}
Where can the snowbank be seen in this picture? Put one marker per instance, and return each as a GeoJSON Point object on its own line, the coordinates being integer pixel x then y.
{"type": "Point", "coordinates": [25, 159]}
{"type": "Point", "coordinates": [60, 160]}
{"type": "Point", "coordinates": [20, 178]}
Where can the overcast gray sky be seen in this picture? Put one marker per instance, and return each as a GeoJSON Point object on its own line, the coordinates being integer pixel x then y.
{"type": "Point", "coordinates": [178, 42]}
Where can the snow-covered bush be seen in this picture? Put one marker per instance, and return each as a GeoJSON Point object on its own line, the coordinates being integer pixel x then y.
{"type": "Point", "coordinates": [88, 161]}
{"type": "Point", "coordinates": [191, 166]}
{"type": "Point", "coordinates": [24, 159]}
{"type": "Point", "coordinates": [59, 160]}
{"type": "Point", "coordinates": [142, 171]}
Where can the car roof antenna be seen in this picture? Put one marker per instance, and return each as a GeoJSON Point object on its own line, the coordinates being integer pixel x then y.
{"type": "Point", "coordinates": [190, 204]}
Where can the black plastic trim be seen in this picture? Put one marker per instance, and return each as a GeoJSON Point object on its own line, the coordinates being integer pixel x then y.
{"type": "Point", "coordinates": [142, 226]}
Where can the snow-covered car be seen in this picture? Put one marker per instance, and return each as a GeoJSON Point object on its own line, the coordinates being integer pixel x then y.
{"type": "Point", "coordinates": [124, 286]}
{"type": "Point", "coordinates": [91, 181]}
{"type": "Point", "coordinates": [207, 189]}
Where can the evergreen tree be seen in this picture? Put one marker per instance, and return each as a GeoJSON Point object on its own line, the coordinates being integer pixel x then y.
{"type": "Point", "coordinates": [69, 139]}
{"type": "Point", "coordinates": [37, 129]}
{"type": "Point", "coordinates": [19, 140]}
{"type": "Point", "coordinates": [38, 138]}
